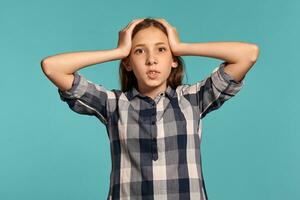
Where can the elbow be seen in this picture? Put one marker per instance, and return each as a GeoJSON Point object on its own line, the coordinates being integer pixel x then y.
{"type": "Point", "coordinates": [43, 63]}
{"type": "Point", "coordinates": [254, 53]}
{"type": "Point", "coordinates": [250, 54]}
{"type": "Point", "coordinates": [45, 66]}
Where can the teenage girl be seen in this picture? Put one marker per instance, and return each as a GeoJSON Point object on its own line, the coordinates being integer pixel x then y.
{"type": "Point", "coordinates": [154, 121]}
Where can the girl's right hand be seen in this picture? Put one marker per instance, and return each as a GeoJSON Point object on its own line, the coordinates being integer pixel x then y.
{"type": "Point", "coordinates": [124, 43]}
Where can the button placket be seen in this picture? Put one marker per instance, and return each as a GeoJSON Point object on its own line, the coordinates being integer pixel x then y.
{"type": "Point", "coordinates": [154, 149]}
{"type": "Point", "coordinates": [153, 139]}
{"type": "Point", "coordinates": [153, 113]}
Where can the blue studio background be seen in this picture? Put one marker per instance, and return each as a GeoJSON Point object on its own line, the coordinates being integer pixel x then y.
{"type": "Point", "coordinates": [249, 146]}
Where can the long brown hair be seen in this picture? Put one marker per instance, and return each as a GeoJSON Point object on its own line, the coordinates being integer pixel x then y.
{"type": "Point", "coordinates": [128, 79]}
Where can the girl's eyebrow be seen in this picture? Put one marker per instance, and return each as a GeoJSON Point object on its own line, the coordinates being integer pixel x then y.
{"type": "Point", "coordinates": [158, 43]}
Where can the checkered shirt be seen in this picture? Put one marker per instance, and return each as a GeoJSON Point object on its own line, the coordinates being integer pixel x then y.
{"type": "Point", "coordinates": [154, 143]}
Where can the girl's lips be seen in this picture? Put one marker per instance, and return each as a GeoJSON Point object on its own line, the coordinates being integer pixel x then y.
{"type": "Point", "coordinates": [152, 75]}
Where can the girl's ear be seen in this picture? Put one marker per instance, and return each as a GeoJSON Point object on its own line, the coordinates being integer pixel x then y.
{"type": "Point", "coordinates": [174, 64]}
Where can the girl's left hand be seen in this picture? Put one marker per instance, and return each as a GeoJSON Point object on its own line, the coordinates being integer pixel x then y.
{"type": "Point", "coordinates": [172, 36]}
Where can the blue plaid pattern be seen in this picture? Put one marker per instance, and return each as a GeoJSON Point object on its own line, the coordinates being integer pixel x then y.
{"type": "Point", "coordinates": [155, 143]}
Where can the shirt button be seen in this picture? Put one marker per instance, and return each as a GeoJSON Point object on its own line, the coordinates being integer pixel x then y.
{"type": "Point", "coordinates": [153, 122]}
{"type": "Point", "coordinates": [154, 156]}
{"type": "Point", "coordinates": [153, 113]}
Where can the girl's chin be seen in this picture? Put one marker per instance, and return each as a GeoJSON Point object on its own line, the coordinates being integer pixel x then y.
{"type": "Point", "coordinates": [152, 83]}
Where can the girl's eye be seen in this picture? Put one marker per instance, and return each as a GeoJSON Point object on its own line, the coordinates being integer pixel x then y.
{"type": "Point", "coordinates": [138, 50]}
{"type": "Point", "coordinates": [163, 48]}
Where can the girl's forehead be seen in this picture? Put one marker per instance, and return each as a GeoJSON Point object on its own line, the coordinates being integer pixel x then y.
{"type": "Point", "coordinates": [150, 37]}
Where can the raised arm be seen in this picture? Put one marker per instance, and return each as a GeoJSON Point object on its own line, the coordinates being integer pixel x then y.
{"type": "Point", "coordinates": [84, 96]}
{"type": "Point", "coordinates": [239, 56]}
{"type": "Point", "coordinates": [225, 81]}
{"type": "Point", "coordinates": [60, 68]}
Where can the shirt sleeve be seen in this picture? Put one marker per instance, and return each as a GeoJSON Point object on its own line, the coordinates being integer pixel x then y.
{"type": "Point", "coordinates": [211, 93]}
{"type": "Point", "coordinates": [87, 98]}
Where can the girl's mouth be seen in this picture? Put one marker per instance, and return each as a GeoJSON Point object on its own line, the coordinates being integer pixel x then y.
{"type": "Point", "coordinates": [152, 75]}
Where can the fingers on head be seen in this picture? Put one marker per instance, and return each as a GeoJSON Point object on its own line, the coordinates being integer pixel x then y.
{"type": "Point", "coordinates": [133, 22]}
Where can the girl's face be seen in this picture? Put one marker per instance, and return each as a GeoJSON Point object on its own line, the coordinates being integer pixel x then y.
{"type": "Point", "coordinates": [151, 52]}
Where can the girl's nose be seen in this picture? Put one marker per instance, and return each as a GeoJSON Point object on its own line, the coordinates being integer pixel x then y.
{"type": "Point", "coordinates": [151, 61]}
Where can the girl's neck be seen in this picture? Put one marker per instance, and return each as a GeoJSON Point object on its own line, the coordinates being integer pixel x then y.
{"type": "Point", "coordinates": [152, 92]}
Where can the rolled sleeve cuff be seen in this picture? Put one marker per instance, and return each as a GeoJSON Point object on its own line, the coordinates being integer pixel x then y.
{"type": "Point", "coordinates": [78, 88]}
{"type": "Point", "coordinates": [224, 82]}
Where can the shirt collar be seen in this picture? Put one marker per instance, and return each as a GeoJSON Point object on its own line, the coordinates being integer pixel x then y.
{"type": "Point", "coordinates": [170, 92]}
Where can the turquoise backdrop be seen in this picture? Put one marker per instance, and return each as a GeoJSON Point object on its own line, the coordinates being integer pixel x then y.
{"type": "Point", "coordinates": [250, 146]}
